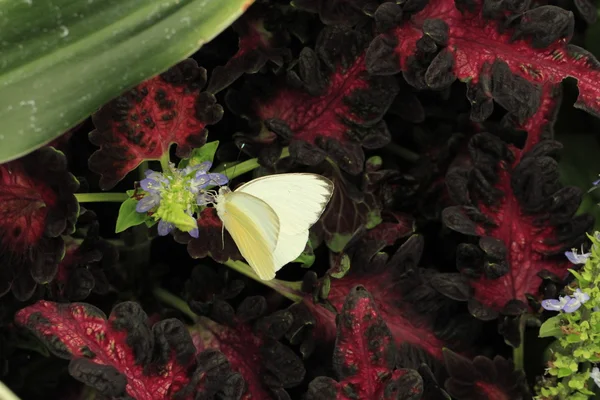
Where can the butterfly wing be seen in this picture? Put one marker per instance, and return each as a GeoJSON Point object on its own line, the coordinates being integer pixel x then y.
{"type": "Point", "coordinates": [298, 199]}
{"type": "Point", "coordinates": [254, 227]}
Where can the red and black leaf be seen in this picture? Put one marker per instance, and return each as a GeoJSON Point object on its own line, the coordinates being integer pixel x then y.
{"type": "Point", "coordinates": [82, 270]}
{"type": "Point", "coordinates": [37, 206]}
{"type": "Point", "coordinates": [208, 290]}
{"type": "Point", "coordinates": [364, 358]}
{"type": "Point", "coordinates": [524, 218]}
{"type": "Point", "coordinates": [352, 207]}
{"type": "Point", "coordinates": [482, 378]}
{"type": "Point", "coordinates": [339, 12]}
{"type": "Point", "coordinates": [252, 346]}
{"type": "Point", "coordinates": [257, 46]}
{"type": "Point", "coordinates": [451, 39]}
{"type": "Point", "coordinates": [123, 356]}
{"type": "Point", "coordinates": [413, 301]}
{"type": "Point", "coordinates": [142, 123]}
{"type": "Point", "coordinates": [328, 105]}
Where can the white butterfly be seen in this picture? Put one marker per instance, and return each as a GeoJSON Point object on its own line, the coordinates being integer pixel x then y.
{"type": "Point", "coordinates": [269, 217]}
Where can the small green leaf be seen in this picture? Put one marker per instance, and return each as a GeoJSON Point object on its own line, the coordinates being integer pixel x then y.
{"type": "Point", "coordinates": [201, 154]}
{"type": "Point", "coordinates": [325, 288]}
{"type": "Point", "coordinates": [573, 338]}
{"type": "Point", "coordinates": [373, 219]}
{"type": "Point", "coordinates": [307, 258]}
{"type": "Point", "coordinates": [551, 327]}
{"type": "Point", "coordinates": [341, 268]}
{"type": "Point", "coordinates": [338, 242]}
{"type": "Point", "coordinates": [128, 216]}
{"type": "Point", "coordinates": [577, 275]}
{"type": "Point", "coordinates": [562, 372]}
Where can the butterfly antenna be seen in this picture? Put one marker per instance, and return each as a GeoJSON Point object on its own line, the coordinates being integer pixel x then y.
{"type": "Point", "coordinates": [237, 160]}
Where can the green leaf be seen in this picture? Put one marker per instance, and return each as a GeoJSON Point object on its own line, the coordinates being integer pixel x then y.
{"type": "Point", "coordinates": [551, 327]}
{"type": "Point", "coordinates": [63, 59]}
{"type": "Point", "coordinates": [562, 372]}
{"type": "Point", "coordinates": [128, 217]}
{"type": "Point", "coordinates": [573, 338]}
{"type": "Point", "coordinates": [325, 288]}
{"type": "Point", "coordinates": [307, 258]}
{"type": "Point", "coordinates": [342, 268]}
{"type": "Point", "coordinates": [201, 154]}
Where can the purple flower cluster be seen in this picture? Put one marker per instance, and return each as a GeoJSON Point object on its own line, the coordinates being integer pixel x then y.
{"type": "Point", "coordinates": [174, 195]}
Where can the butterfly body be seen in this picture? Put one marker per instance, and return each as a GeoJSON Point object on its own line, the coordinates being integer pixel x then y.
{"type": "Point", "coordinates": [269, 218]}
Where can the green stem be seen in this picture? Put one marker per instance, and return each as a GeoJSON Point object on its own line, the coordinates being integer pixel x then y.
{"type": "Point", "coordinates": [245, 166]}
{"type": "Point", "coordinates": [519, 352]}
{"type": "Point", "coordinates": [101, 197]}
{"type": "Point", "coordinates": [165, 159]}
{"type": "Point", "coordinates": [175, 302]}
{"type": "Point", "coordinates": [142, 170]}
{"type": "Point", "coordinates": [290, 290]}
{"type": "Point", "coordinates": [402, 152]}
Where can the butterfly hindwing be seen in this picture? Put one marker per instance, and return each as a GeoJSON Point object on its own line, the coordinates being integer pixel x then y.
{"type": "Point", "coordinates": [254, 227]}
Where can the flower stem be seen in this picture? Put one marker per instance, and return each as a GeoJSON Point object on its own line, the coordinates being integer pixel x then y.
{"type": "Point", "coordinates": [290, 290]}
{"type": "Point", "coordinates": [101, 197]}
{"type": "Point", "coordinates": [519, 352]}
{"type": "Point", "coordinates": [402, 152]}
{"type": "Point", "coordinates": [175, 302]}
{"type": "Point", "coordinates": [165, 159]}
{"type": "Point", "coordinates": [245, 166]}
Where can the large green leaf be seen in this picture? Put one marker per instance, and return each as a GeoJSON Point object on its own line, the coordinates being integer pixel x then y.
{"type": "Point", "coordinates": [62, 59]}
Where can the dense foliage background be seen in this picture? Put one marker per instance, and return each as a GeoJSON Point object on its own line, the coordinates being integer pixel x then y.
{"type": "Point", "coordinates": [460, 136]}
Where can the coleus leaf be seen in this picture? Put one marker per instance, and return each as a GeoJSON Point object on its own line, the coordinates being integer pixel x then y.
{"type": "Point", "coordinates": [142, 123]}
{"type": "Point", "coordinates": [364, 358]}
{"type": "Point", "coordinates": [257, 46]}
{"type": "Point", "coordinates": [122, 356]}
{"type": "Point", "coordinates": [252, 346]}
{"type": "Point", "coordinates": [344, 12]}
{"type": "Point", "coordinates": [450, 39]}
{"type": "Point", "coordinates": [513, 201]}
{"type": "Point", "coordinates": [329, 107]}
{"type": "Point", "coordinates": [354, 206]}
{"type": "Point", "coordinates": [37, 206]}
{"type": "Point", "coordinates": [482, 378]}
{"type": "Point", "coordinates": [82, 270]}
{"type": "Point", "coordinates": [416, 313]}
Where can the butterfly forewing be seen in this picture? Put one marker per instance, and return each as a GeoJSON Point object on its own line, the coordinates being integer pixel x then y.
{"type": "Point", "coordinates": [298, 199]}
{"type": "Point", "coordinates": [254, 227]}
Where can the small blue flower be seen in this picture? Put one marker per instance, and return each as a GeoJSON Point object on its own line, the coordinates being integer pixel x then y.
{"type": "Point", "coordinates": [567, 304]}
{"type": "Point", "coordinates": [576, 258]}
{"type": "Point", "coordinates": [164, 227]}
{"type": "Point", "coordinates": [148, 202]}
{"type": "Point", "coordinates": [554, 304]}
{"type": "Point", "coordinates": [581, 296]}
